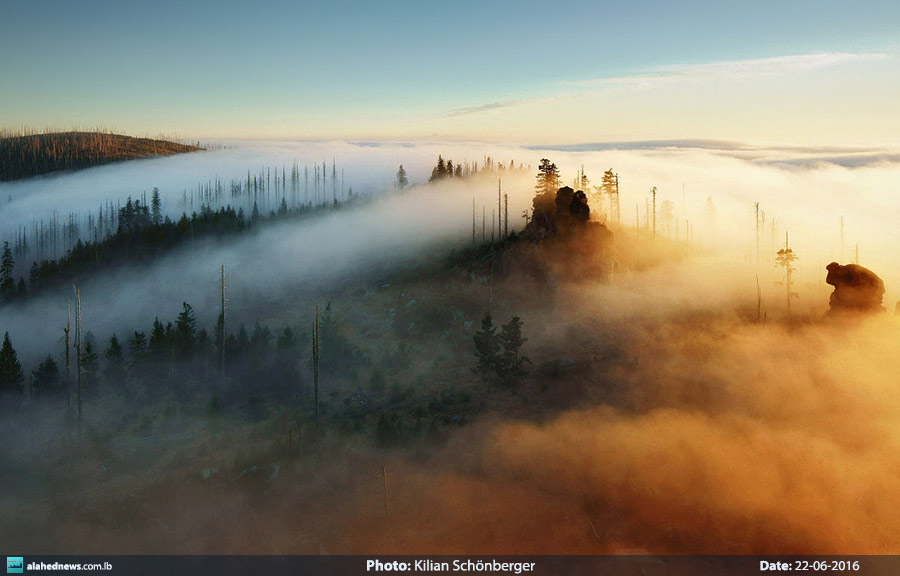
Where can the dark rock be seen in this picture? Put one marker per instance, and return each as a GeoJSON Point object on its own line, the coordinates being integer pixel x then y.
{"type": "Point", "coordinates": [856, 289]}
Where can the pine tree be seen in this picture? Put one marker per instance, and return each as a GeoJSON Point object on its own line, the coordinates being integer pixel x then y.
{"type": "Point", "coordinates": [439, 171]}
{"type": "Point", "coordinates": [157, 343]}
{"type": "Point", "coordinates": [115, 361]}
{"type": "Point", "coordinates": [512, 365]}
{"type": "Point", "coordinates": [259, 339]}
{"type": "Point", "coordinates": [89, 363]}
{"type": "Point", "coordinates": [285, 368]}
{"type": "Point", "coordinates": [487, 349]}
{"type": "Point", "coordinates": [547, 177]}
{"type": "Point", "coordinates": [7, 284]}
{"type": "Point", "coordinates": [12, 379]}
{"type": "Point", "coordinates": [137, 351]}
{"type": "Point", "coordinates": [156, 208]}
{"type": "Point", "coordinates": [609, 186]}
{"type": "Point", "coordinates": [185, 331]}
{"type": "Point", "coordinates": [786, 258]}
{"type": "Point", "coordinates": [45, 379]}
{"type": "Point", "coordinates": [286, 340]}
{"type": "Point", "coordinates": [402, 180]}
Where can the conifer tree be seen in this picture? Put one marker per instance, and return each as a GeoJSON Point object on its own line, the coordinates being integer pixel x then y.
{"type": "Point", "coordinates": [156, 208]}
{"type": "Point", "coordinates": [286, 340]}
{"type": "Point", "coordinates": [89, 363]}
{"type": "Point", "coordinates": [259, 339]}
{"type": "Point", "coordinates": [439, 171]}
{"type": "Point", "coordinates": [157, 344]}
{"type": "Point", "coordinates": [137, 351]}
{"type": "Point", "coordinates": [7, 284]}
{"type": "Point", "coordinates": [45, 378]}
{"type": "Point", "coordinates": [402, 180]}
{"type": "Point", "coordinates": [487, 349]}
{"type": "Point", "coordinates": [115, 361]}
{"type": "Point", "coordinates": [512, 362]}
{"type": "Point", "coordinates": [185, 331]}
{"type": "Point", "coordinates": [547, 177]}
{"type": "Point", "coordinates": [285, 354]}
{"type": "Point", "coordinates": [12, 379]}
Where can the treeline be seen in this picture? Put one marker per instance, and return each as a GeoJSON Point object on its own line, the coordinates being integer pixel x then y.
{"type": "Point", "coordinates": [143, 233]}
{"type": "Point", "coordinates": [172, 361]}
{"type": "Point", "coordinates": [27, 155]}
{"type": "Point", "coordinates": [447, 169]}
{"type": "Point", "coordinates": [247, 371]}
{"type": "Point", "coordinates": [266, 190]}
{"type": "Point", "coordinates": [180, 361]}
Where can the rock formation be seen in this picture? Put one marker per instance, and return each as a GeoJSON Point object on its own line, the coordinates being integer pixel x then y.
{"type": "Point", "coordinates": [856, 289]}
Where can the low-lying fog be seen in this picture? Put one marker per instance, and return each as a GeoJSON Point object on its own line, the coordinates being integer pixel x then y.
{"type": "Point", "coordinates": [724, 434]}
{"type": "Point", "coordinates": [704, 190]}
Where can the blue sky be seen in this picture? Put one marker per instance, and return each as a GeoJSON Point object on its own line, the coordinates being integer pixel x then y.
{"type": "Point", "coordinates": [428, 70]}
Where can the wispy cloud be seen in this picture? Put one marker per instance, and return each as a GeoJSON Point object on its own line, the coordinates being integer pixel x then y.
{"type": "Point", "coordinates": [729, 69]}
{"type": "Point", "coordinates": [757, 67]}
{"type": "Point", "coordinates": [482, 108]}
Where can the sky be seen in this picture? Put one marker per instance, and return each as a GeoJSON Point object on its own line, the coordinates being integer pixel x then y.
{"type": "Point", "coordinates": [523, 72]}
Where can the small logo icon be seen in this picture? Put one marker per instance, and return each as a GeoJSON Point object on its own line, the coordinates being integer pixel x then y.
{"type": "Point", "coordinates": [14, 565]}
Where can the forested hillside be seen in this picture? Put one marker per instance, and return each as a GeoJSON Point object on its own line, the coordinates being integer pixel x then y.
{"type": "Point", "coordinates": [27, 155]}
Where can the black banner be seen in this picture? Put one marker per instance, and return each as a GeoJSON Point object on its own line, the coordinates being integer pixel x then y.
{"type": "Point", "coordinates": [462, 565]}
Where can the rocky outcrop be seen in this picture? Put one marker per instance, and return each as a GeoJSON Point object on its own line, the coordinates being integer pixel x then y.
{"type": "Point", "coordinates": [856, 289]}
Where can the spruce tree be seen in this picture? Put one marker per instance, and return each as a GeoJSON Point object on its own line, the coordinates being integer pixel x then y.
{"type": "Point", "coordinates": [285, 369]}
{"type": "Point", "coordinates": [115, 361]}
{"type": "Point", "coordinates": [7, 284]}
{"type": "Point", "coordinates": [402, 180]}
{"type": "Point", "coordinates": [12, 379]}
{"type": "Point", "coordinates": [512, 365]}
{"type": "Point", "coordinates": [487, 349]}
{"type": "Point", "coordinates": [287, 341]}
{"type": "Point", "coordinates": [157, 344]}
{"type": "Point", "coordinates": [137, 351]}
{"type": "Point", "coordinates": [45, 379]}
{"type": "Point", "coordinates": [185, 331]}
{"type": "Point", "coordinates": [156, 208]}
{"type": "Point", "coordinates": [89, 363]}
{"type": "Point", "coordinates": [439, 171]}
{"type": "Point", "coordinates": [547, 177]}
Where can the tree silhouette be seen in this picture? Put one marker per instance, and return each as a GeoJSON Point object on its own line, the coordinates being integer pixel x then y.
{"type": "Point", "coordinates": [609, 186]}
{"type": "Point", "coordinates": [512, 365]}
{"type": "Point", "coordinates": [785, 258]}
{"type": "Point", "coordinates": [439, 171]}
{"type": "Point", "coordinates": [45, 379]}
{"type": "Point", "coordinates": [137, 351]}
{"type": "Point", "coordinates": [547, 177]}
{"type": "Point", "coordinates": [156, 208]}
{"type": "Point", "coordinates": [12, 379]}
{"type": "Point", "coordinates": [185, 332]}
{"type": "Point", "coordinates": [89, 364]}
{"type": "Point", "coordinates": [499, 355]}
{"type": "Point", "coordinates": [115, 361]}
{"type": "Point", "coordinates": [7, 284]}
{"type": "Point", "coordinates": [402, 180]}
{"type": "Point", "coordinates": [487, 349]}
